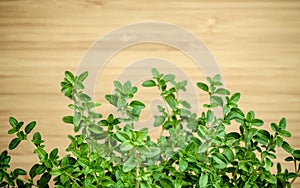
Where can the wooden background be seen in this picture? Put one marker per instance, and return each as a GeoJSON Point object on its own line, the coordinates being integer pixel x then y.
{"type": "Point", "coordinates": [256, 43]}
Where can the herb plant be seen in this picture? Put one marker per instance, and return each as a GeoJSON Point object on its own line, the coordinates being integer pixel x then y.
{"type": "Point", "coordinates": [193, 150]}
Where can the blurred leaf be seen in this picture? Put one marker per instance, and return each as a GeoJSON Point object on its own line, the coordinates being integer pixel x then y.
{"type": "Point", "coordinates": [182, 165]}
{"type": "Point", "coordinates": [216, 100]}
{"type": "Point", "coordinates": [129, 165]}
{"type": "Point", "coordinates": [222, 91]}
{"type": "Point", "coordinates": [203, 180]}
{"type": "Point", "coordinates": [168, 77]}
{"type": "Point", "coordinates": [125, 146]}
{"type": "Point", "coordinates": [155, 73]}
{"type": "Point", "coordinates": [186, 104]}
{"type": "Point", "coordinates": [83, 76]}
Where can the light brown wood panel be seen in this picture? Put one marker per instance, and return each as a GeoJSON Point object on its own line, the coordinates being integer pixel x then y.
{"type": "Point", "coordinates": [256, 43]}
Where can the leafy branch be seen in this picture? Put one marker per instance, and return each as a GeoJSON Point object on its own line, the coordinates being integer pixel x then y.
{"type": "Point", "coordinates": [193, 150]}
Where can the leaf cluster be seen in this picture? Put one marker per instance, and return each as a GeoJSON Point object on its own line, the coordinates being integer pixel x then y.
{"type": "Point", "coordinates": [193, 150]}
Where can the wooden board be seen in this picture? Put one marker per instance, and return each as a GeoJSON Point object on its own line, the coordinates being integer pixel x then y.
{"type": "Point", "coordinates": [256, 43]}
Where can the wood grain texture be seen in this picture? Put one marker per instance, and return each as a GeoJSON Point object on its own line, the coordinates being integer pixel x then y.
{"type": "Point", "coordinates": [256, 43]}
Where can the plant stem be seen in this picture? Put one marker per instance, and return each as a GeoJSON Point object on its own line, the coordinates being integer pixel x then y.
{"type": "Point", "coordinates": [137, 174]}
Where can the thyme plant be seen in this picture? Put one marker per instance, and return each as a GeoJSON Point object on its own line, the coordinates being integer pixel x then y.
{"type": "Point", "coordinates": [193, 150]}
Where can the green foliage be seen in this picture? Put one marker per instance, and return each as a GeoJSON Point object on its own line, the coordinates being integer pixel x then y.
{"type": "Point", "coordinates": [193, 150]}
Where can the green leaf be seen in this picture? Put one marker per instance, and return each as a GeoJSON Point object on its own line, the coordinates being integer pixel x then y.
{"type": "Point", "coordinates": [12, 131]}
{"type": "Point", "coordinates": [168, 77]}
{"type": "Point", "coordinates": [271, 179]}
{"type": "Point", "coordinates": [284, 133]}
{"type": "Point", "coordinates": [158, 120]}
{"type": "Point", "coordinates": [216, 100]}
{"type": "Point", "coordinates": [235, 97]}
{"type": "Point", "coordinates": [83, 162]}
{"type": "Point", "coordinates": [14, 143]}
{"type": "Point", "coordinates": [153, 151]}
{"type": "Point", "coordinates": [279, 141]}
{"type": "Point", "coordinates": [42, 154]}
{"type": "Point", "coordinates": [19, 171]}
{"type": "Point", "coordinates": [209, 116]}
{"type": "Point", "coordinates": [55, 172]}
{"type": "Point", "coordinates": [155, 73]}
{"type": "Point", "coordinates": [112, 99]}
{"type": "Point", "coordinates": [216, 78]}
{"type": "Point", "coordinates": [84, 97]}
{"type": "Point", "coordinates": [204, 147]}
{"type": "Point", "coordinates": [95, 129]}
{"type": "Point", "coordinates": [202, 86]}
{"type": "Point", "coordinates": [77, 118]}
{"type": "Point", "coordinates": [13, 122]}
{"type": "Point", "coordinates": [257, 122]}
{"type": "Point", "coordinates": [236, 113]}
{"type": "Point", "coordinates": [220, 160]}
{"type": "Point", "coordinates": [171, 101]}
{"type": "Point", "coordinates": [69, 76]}
{"type": "Point", "coordinates": [144, 150]}
{"type": "Point", "coordinates": [68, 119]}
{"type": "Point", "coordinates": [129, 165]}
{"type": "Point", "coordinates": [137, 104]}
{"type": "Point", "coordinates": [274, 127]}
{"type": "Point", "coordinates": [53, 154]}
{"type": "Point", "coordinates": [30, 127]}
{"type": "Point", "coordinates": [121, 103]}
{"type": "Point", "coordinates": [37, 136]}
{"type": "Point", "coordinates": [83, 76]}
{"type": "Point", "coordinates": [288, 159]}
{"type": "Point", "coordinates": [32, 171]}
{"type": "Point", "coordinates": [43, 182]}
{"type": "Point", "coordinates": [21, 135]}
{"type": "Point", "coordinates": [234, 135]}
{"type": "Point", "coordinates": [186, 104]}
{"type": "Point", "coordinates": [182, 165]}
{"type": "Point", "coordinates": [122, 136]}
{"type": "Point", "coordinates": [222, 91]}
{"type": "Point", "coordinates": [202, 131]}
{"type": "Point", "coordinates": [282, 123]}
{"type": "Point", "coordinates": [287, 147]}
{"type": "Point", "coordinates": [40, 169]}
{"type": "Point", "coordinates": [268, 164]}
{"type": "Point", "coordinates": [203, 180]}
{"type": "Point", "coordinates": [243, 165]}
{"type": "Point", "coordinates": [296, 154]}
{"type": "Point", "coordinates": [145, 185]}
{"type": "Point", "coordinates": [165, 183]}
{"type": "Point", "coordinates": [126, 146]}
{"type": "Point", "coordinates": [142, 134]}
{"type": "Point", "coordinates": [228, 154]}
{"type": "Point", "coordinates": [127, 86]}
{"type": "Point", "coordinates": [278, 168]}
{"type": "Point", "coordinates": [262, 136]}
